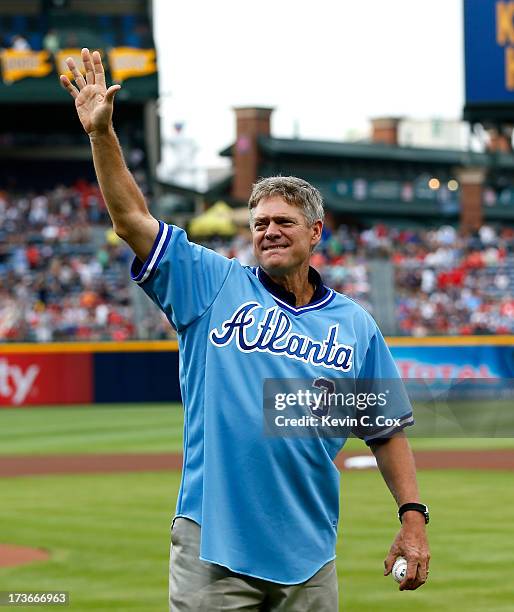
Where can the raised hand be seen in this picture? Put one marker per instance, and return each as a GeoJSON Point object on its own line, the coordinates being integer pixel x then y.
{"type": "Point", "coordinates": [93, 101]}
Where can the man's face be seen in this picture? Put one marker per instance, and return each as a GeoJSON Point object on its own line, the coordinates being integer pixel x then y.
{"type": "Point", "coordinates": [282, 239]}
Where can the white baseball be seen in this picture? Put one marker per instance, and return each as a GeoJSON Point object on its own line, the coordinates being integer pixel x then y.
{"type": "Point", "coordinates": [399, 569]}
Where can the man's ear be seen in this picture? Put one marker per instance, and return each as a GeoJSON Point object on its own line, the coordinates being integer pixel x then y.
{"type": "Point", "coordinates": [318, 228]}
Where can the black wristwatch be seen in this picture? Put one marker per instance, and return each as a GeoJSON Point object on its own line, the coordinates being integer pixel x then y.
{"type": "Point", "coordinates": [414, 506]}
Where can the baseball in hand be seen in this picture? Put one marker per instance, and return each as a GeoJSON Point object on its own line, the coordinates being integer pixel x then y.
{"type": "Point", "coordinates": [399, 569]}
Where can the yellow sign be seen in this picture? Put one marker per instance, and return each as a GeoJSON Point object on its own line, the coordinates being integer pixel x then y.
{"type": "Point", "coordinates": [505, 37]}
{"type": "Point", "coordinates": [60, 61]}
{"type": "Point", "coordinates": [17, 65]}
{"type": "Point", "coordinates": [127, 62]}
{"type": "Point", "coordinates": [504, 23]}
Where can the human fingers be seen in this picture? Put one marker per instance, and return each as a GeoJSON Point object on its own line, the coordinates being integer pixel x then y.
{"type": "Point", "coordinates": [77, 76]}
{"type": "Point", "coordinates": [388, 563]}
{"type": "Point", "coordinates": [109, 96]}
{"type": "Point", "coordinates": [414, 584]}
{"type": "Point", "coordinates": [88, 65]}
{"type": "Point", "coordinates": [409, 583]}
{"type": "Point", "coordinates": [98, 68]}
{"type": "Point", "coordinates": [422, 572]}
{"type": "Point", "coordinates": [66, 83]}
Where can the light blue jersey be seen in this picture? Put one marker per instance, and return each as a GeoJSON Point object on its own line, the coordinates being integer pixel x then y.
{"type": "Point", "coordinates": [268, 506]}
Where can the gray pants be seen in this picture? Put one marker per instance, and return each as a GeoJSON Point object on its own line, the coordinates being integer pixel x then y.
{"type": "Point", "coordinates": [197, 586]}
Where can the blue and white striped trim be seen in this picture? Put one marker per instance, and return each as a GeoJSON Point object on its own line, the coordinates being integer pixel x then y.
{"type": "Point", "coordinates": [142, 272]}
{"type": "Point", "coordinates": [314, 306]}
{"type": "Point", "coordinates": [386, 432]}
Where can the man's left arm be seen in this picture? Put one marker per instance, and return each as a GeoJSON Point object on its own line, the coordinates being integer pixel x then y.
{"type": "Point", "coordinates": [396, 463]}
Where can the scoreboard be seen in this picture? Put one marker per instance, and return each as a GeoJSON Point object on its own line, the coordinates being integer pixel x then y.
{"type": "Point", "coordinates": [489, 59]}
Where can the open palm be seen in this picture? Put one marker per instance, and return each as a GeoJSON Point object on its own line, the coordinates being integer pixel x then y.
{"type": "Point", "coordinates": [93, 101]}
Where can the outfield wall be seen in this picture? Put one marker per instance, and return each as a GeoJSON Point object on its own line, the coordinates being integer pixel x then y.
{"type": "Point", "coordinates": [112, 372]}
{"type": "Point", "coordinates": [86, 373]}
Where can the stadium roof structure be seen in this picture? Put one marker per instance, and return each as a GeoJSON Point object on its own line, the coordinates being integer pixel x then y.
{"type": "Point", "coordinates": [365, 181]}
{"type": "Point", "coordinates": [373, 181]}
{"type": "Point", "coordinates": [274, 147]}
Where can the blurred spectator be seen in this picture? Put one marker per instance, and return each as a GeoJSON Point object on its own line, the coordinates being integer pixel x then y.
{"type": "Point", "coordinates": [19, 43]}
{"type": "Point", "coordinates": [51, 41]}
{"type": "Point", "coordinates": [72, 41]}
{"type": "Point", "coordinates": [144, 36]}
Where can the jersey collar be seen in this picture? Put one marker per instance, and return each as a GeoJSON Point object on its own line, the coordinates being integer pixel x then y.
{"type": "Point", "coordinates": [322, 295]}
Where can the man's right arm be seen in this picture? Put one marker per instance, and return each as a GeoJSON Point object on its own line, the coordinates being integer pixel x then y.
{"type": "Point", "coordinates": [126, 204]}
{"type": "Point", "coordinates": [191, 289]}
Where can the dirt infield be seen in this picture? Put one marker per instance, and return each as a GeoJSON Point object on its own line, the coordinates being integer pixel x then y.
{"type": "Point", "coordinates": [101, 464]}
{"type": "Point", "coordinates": [12, 556]}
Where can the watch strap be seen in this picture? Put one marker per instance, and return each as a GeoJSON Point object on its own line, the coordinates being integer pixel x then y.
{"type": "Point", "coordinates": [413, 506]}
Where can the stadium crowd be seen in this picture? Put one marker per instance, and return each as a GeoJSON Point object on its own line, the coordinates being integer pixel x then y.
{"type": "Point", "coordinates": [445, 283]}
{"type": "Point", "coordinates": [36, 32]}
{"type": "Point", "coordinates": [454, 285]}
{"type": "Point", "coordinates": [65, 276]}
{"type": "Point", "coordinates": [61, 276]}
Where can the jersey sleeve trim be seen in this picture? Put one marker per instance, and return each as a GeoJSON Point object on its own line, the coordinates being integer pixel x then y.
{"type": "Point", "coordinates": [141, 272]}
{"type": "Point", "coordinates": [388, 432]}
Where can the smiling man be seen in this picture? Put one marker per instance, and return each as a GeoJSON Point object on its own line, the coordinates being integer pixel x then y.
{"type": "Point", "coordinates": [284, 238]}
{"type": "Point", "coordinates": [257, 515]}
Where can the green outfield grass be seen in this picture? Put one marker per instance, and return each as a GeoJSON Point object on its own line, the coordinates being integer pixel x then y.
{"type": "Point", "coordinates": [108, 535]}
{"type": "Point", "coordinates": [136, 428]}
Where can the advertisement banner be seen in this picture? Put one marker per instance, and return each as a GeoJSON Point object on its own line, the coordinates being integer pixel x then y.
{"type": "Point", "coordinates": [128, 62]}
{"type": "Point", "coordinates": [455, 362]}
{"type": "Point", "coordinates": [47, 378]}
{"type": "Point", "coordinates": [83, 373]}
{"type": "Point", "coordinates": [17, 65]}
{"type": "Point", "coordinates": [61, 57]}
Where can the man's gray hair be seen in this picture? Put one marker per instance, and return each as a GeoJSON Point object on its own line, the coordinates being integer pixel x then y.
{"type": "Point", "coordinates": [294, 190]}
